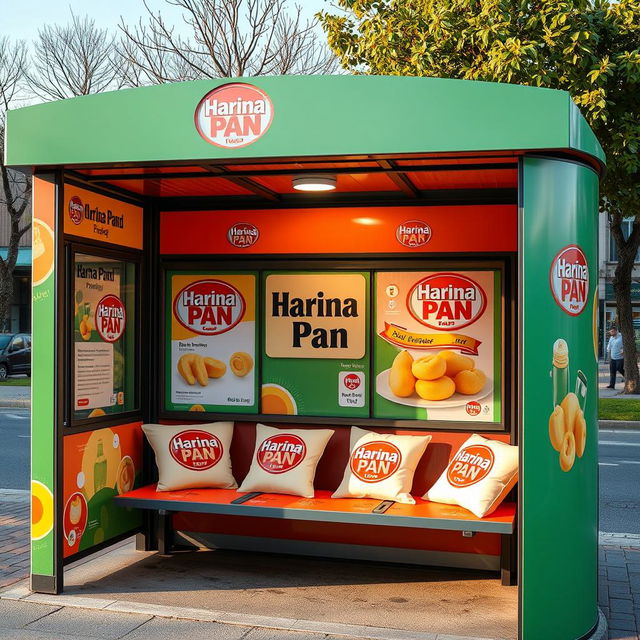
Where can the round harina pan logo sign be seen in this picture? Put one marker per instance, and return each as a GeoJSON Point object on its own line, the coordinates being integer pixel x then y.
{"type": "Point", "coordinates": [234, 115]}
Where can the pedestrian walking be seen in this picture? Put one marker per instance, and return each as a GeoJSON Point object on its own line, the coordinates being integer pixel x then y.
{"type": "Point", "coordinates": [616, 356]}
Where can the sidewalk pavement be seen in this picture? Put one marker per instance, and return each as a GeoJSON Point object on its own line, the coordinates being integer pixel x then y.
{"type": "Point", "coordinates": [14, 536]}
{"type": "Point", "coordinates": [603, 382]}
{"type": "Point", "coordinates": [61, 617]}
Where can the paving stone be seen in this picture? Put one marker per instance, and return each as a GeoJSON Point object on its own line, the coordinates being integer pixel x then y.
{"type": "Point", "coordinates": [161, 628]}
{"type": "Point", "coordinates": [618, 605]}
{"type": "Point", "coordinates": [89, 623]}
{"type": "Point", "coordinates": [276, 634]}
{"type": "Point", "coordinates": [25, 634]}
{"type": "Point", "coordinates": [16, 614]}
{"type": "Point", "coordinates": [617, 574]}
{"type": "Point", "coordinates": [619, 634]}
{"type": "Point", "coordinates": [619, 590]}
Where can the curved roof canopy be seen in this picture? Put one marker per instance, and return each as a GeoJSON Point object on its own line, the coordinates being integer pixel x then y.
{"type": "Point", "coordinates": [312, 116]}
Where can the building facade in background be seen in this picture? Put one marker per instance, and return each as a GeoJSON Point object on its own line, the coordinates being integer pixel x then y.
{"type": "Point", "coordinates": [606, 273]}
{"type": "Point", "coordinates": [20, 312]}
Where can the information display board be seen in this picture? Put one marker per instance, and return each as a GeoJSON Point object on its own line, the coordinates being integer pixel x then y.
{"type": "Point", "coordinates": [211, 354]}
{"type": "Point", "coordinates": [316, 336]}
{"type": "Point", "coordinates": [103, 336]}
{"type": "Point", "coordinates": [438, 345]}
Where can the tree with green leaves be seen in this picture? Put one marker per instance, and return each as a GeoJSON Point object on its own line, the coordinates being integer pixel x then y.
{"type": "Point", "coordinates": [590, 48]}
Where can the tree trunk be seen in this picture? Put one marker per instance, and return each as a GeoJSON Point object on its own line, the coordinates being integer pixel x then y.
{"type": "Point", "coordinates": [627, 250]}
{"type": "Point", "coordinates": [6, 295]}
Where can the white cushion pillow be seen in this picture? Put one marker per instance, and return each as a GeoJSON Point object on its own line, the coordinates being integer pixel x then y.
{"type": "Point", "coordinates": [191, 456]}
{"type": "Point", "coordinates": [478, 477]}
{"type": "Point", "coordinates": [381, 465]}
{"type": "Point", "coordinates": [285, 460]}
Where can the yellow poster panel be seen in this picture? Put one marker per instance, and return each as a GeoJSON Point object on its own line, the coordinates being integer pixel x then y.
{"type": "Point", "coordinates": [97, 217]}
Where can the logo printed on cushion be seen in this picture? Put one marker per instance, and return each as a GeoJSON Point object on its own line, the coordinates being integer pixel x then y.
{"type": "Point", "coordinates": [470, 465]}
{"type": "Point", "coordinates": [375, 461]}
{"type": "Point", "coordinates": [281, 453]}
{"type": "Point", "coordinates": [196, 450]}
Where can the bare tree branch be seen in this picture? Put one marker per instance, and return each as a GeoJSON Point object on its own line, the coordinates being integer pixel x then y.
{"type": "Point", "coordinates": [74, 60]}
{"type": "Point", "coordinates": [226, 38]}
{"type": "Point", "coordinates": [15, 188]}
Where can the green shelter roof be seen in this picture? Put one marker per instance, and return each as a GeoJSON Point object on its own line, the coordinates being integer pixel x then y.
{"type": "Point", "coordinates": [313, 116]}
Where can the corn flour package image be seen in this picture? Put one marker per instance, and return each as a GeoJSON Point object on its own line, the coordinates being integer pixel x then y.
{"type": "Point", "coordinates": [479, 476]}
{"type": "Point", "coordinates": [192, 456]}
{"type": "Point", "coordinates": [381, 466]}
{"type": "Point", "coordinates": [285, 460]}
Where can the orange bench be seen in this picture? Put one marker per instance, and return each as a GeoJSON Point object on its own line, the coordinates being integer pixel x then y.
{"type": "Point", "coordinates": [323, 508]}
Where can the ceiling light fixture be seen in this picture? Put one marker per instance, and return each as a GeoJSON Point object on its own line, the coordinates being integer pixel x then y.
{"type": "Point", "coordinates": [311, 182]}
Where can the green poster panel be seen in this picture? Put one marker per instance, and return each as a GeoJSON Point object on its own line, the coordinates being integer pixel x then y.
{"type": "Point", "coordinates": [43, 418]}
{"type": "Point", "coordinates": [316, 343]}
{"type": "Point", "coordinates": [559, 437]}
{"type": "Point", "coordinates": [454, 315]}
{"type": "Point", "coordinates": [211, 340]}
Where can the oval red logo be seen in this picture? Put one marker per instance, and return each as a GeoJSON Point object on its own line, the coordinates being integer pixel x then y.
{"type": "Point", "coordinates": [569, 280]}
{"type": "Point", "coordinates": [209, 307]}
{"type": "Point", "coordinates": [413, 233]}
{"type": "Point", "coordinates": [352, 381]}
{"type": "Point", "coordinates": [234, 115]}
{"type": "Point", "coordinates": [473, 408]}
{"type": "Point", "coordinates": [446, 301]}
{"type": "Point", "coordinates": [195, 449]}
{"type": "Point", "coordinates": [281, 453]}
{"type": "Point", "coordinates": [470, 465]}
{"type": "Point", "coordinates": [111, 318]}
{"type": "Point", "coordinates": [243, 235]}
{"type": "Point", "coordinates": [76, 209]}
{"type": "Point", "coordinates": [375, 461]}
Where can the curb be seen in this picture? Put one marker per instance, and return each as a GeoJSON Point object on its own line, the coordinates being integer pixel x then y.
{"type": "Point", "coordinates": [626, 425]}
{"type": "Point", "coordinates": [601, 632]}
{"type": "Point", "coordinates": [17, 403]}
{"type": "Point", "coordinates": [362, 632]}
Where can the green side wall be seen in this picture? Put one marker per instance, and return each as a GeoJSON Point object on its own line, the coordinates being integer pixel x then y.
{"type": "Point", "coordinates": [43, 445]}
{"type": "Point", "coordinates": [559, 509]}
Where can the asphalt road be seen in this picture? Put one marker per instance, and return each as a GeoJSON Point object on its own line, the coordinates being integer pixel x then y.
{"type": "Point", "coordinates": [620, 481]}
{"type": "Point", "coordinates": [15, 450]}
{"type": "Point", "coordinates": [619, 469]}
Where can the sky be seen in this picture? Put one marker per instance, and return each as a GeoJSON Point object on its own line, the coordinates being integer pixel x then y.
{"type": "Point", "coordinates": [20, 19]}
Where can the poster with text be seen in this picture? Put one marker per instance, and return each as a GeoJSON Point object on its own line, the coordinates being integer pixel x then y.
{"type": "Point", "coordinates": [99, 465]}
{"type": "Point", "coordinates": [438, 345]}
{"type": "Point", "coordinates": [316, 337]}
{"type": "Point", "coordinates": [103, 336]}
{"type": "Point", "coordinates": [211, 355]}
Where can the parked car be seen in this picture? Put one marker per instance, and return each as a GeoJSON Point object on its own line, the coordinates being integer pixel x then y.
{"type": "Point", "coordinates": [15, 354]}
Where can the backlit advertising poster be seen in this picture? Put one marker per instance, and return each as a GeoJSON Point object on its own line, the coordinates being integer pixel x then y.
{"type": "Point", "coordinates": [103, 321]}
{"type": "Point", "coordinates": [99, 465]}
{"type": "Point", "coordinates": [437, 345]}
{"type": "Point", "coordinates": [211, 356]}
{"type": "Point", "coordinates": [316, 338]}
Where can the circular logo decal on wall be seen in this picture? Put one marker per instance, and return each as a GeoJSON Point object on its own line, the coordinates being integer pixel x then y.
{"type": "Point", "coordinates": [243, 235]}
{"type": "Point", "coordinates": [351, 381]}
{"type": "Point", "coordinates": [446, 301]}
{"type": "Point", "coordinates": [76, 209]}
{"type": "Point", "coordinates": [234, 115]}
{"type": "Point", "coordinates": [375, 461]}
{"type": "Point", "coordinates": [281, 453]}
{"type": "Point", "coordinates": [413, 233]}
{"type": "Point", "coordinates": [569, 280]}
{"type": "Point", "coordinates": [209, 307]}
{"type": "Point", "coordinates": [470, 465]}
{"type": "Point", "coordinates": [195, 449]}
{"type": "Point", "coordinates": [111, 318]}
